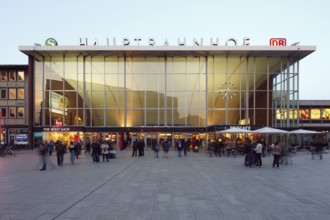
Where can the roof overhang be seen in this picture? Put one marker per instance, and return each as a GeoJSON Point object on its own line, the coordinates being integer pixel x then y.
{"type": "Point", "coordinates": [297, 52]}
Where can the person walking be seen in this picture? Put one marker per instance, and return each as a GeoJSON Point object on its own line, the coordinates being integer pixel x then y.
{"type": "Point", "coordinates": [186, 146]}
{"type": "Point", "coordinates": [95, 151]}
{"type": "Point", "coordinates": [277, 154]}
{"type": "Point", "coordinates": [135, 148]}
{"type": "Point", "coordinates": [258, 151]}
{"type": "Point", "coordinates": [60, 150]}
{"type": "Point", "coordinates": [50, 146]}
{"type": "Point", "coordinates": [179, 146]}
{"type": "Point", "coordinates": [72, 150]}
{"type": "Point", "coordinates": [166, 147]}
{"type": "Point", "coordinates": [43, 155]}
{"type": "Point", "coordinates": [105, 151]}
{"type": "Point", "coordinates": [248, 154]}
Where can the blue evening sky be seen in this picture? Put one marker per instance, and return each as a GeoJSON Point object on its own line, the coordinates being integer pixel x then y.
{"type": "Point", "coordinates": [25, 22]}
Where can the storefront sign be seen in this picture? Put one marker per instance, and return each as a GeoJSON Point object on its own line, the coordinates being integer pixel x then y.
{"type": "Point", "coordinates": [57, 129]}
{"type": "Point", "coordinates": [51, 42]}
{"type": "Point", "coordinates": [277, 42]}
{"type": "Point", "coordinates": [152, 42]}
{"type": "Point", "coordinates": [21, 139]}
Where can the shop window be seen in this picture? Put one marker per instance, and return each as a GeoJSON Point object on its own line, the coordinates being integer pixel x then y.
{"type": "Point", "coordinates": [4, 112]}
{"type": "Point", "coordinates": [326, 114]}
{"type": "Point", "coordinates": [20, 75]}
{"type": "Point", "coordinates": [20, 112]}
{"type": "Point", "coordinates": [12, 112]}
{"type": "Point", "coordinates": [316, 114]}
{"type": "Point", "coordinates": [3, 76]}
{"type": "Point", "coordinates": [12, 75]}
{"type": "Point", "coordinates": [3, 94]}
{"type": "Point", "coordinates": [12, 93]}
{"type": "Point", "coordinates": [305, 114]}
{"type": "Point", "coordinates": [20, 93]}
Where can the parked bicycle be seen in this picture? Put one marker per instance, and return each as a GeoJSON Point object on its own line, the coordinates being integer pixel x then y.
{"type": "Point", "coordinates": [7, 150]}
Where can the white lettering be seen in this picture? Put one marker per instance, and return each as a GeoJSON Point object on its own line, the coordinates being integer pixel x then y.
{"type": "Point", "coordinates": [231, 40]}
{"type": "Point", "coordinates": [166, 42]}
{"type": "Point", "coordinates": [137, 39]}
{"type": "Point", "coordinates": [82, 42]}
{"type": "Point", "coordinates": [246, 41]}
{"type": "Point", "coordinates": [216, 43]}
{"type": "Point", "coordinates": [196, 43]}
{"type": "Point", "coordinates": [125, 41]}
{"type": "Point", "coordinates": [183, 43]}
{"type": "Point", "coordinates": [152, 42]}
{"type": "Point", "coordinates": [96, 42]}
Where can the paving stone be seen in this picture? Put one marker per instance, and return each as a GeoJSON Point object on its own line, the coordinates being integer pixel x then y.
{"type": "Point", "coordinates": [195, 187]}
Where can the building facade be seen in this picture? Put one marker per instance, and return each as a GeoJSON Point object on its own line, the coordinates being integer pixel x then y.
{"type": "Point", "coordinates": [157, 91]}
{"type": "Point", "coordinates": [14, 117]}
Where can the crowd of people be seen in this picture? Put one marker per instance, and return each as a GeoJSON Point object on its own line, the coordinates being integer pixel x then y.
{"type": "Point", "coordinates": [103, 150]}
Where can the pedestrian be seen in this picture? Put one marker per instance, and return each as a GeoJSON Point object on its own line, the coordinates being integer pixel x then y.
{"type": "Point", "coordinates": [105, 151]}
{"type": "Point", "coordinates": [60, 150]}
{"type": "Point", "coordinates": [135, 148]}
{"type": "Point", "coordinates": [186, 146]}
{"type": "Point", "coordinates": [43, 155]}
{"type": "Point", "coordinates": [179, 145]}
{"type": "Point", "coordinates": [248, 154]}
{"type": "Point", "coordinates": [166, 147]}
{"type": "Point", "coordinates": [50, 146]}
{"type": "Point", "coordinates": [258, 151]}
{"type": "Point", "coordinates": [88, 148]}
{"type": "Point", "coordinates": [277, 154]}
{"type": "Point", "coordinates": [72, 150]}
{"type": "Point", "coordinates": [96, 151]}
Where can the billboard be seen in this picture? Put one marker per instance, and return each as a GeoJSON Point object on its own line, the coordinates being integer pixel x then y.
{"type": "Point", "coordinates": [58, 103]}
{"type": "Point", "coordinates": [21, 139]}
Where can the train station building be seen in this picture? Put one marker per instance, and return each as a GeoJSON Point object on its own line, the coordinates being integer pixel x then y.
{"type": "Point", "coordinates": [141, 88]}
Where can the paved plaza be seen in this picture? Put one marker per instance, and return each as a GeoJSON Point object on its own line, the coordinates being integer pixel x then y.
{"type": "Point", "coordinates": [195, 187]}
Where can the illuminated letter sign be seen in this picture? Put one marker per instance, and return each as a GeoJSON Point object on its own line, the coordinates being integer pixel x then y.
{"type": "Point", "coordinates": [51, 42]}
{"type": "Point", "coordinates": [277, 42]}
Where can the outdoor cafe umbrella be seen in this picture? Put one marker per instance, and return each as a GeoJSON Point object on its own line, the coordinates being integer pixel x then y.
{"type": "Point", "coordinates": [269, 130]}
{"type": "Point", "coordinates": [303, 131]}
{"type": "Point", "coordinates": [235, 130]}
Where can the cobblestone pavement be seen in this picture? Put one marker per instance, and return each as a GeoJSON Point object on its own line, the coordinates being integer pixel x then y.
{"type": "Point", "coordinates": [193, 187]}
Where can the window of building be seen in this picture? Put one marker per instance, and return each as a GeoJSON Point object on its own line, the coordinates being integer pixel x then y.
{"type": "Point", "coordinates": [12, 93]}
{"type": "Point", "coordinates": [3, 76]}
{"type": "Point", "coordinates": [20, 75]}
{"type": "Point", "coordinates": [305, 114]}
{"type": "Point", "coordinates": [12, 75]}
{"type": "Point", "coordinates": [316, 114]}
{"type": "Point", "coordinates": [326, 114]}
{"type": "Point", "coordinates": [4, 112]}
{"type": "Point", "coordinates": [20, 93]}
{"type": "Point", "coordinates": [12, 112]}
{"type": "Point", "coordinates": [3, 93]}
{"type": "Point", "coordinates": [20, 112]}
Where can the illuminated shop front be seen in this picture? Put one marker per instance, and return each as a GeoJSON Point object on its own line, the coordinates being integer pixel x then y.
{"type": "Point", "coordinates": [153, 90]}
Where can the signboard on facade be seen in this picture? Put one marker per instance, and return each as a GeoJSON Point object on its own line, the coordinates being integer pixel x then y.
{"type": "Point", "coordinates": [21, 139]}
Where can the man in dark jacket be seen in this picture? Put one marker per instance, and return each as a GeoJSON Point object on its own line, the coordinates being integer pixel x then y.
{"type": "Point", "coordinates": [248, 154]}
{"type": "Point", "coordinates": [135, 147]}
{"type": "Point", "coordinates": [60, 149]}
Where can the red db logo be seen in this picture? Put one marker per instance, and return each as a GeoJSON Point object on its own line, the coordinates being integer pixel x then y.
{"type": "Point", "coordinates": [277, 42]}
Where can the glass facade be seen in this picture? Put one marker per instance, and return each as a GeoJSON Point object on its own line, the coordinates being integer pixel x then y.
{"type": "Point", "coordinates": [172, 91]}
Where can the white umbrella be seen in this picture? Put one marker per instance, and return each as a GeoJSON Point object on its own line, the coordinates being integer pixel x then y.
{"type": "Point", "coordinates": [303, 131]}
{"type": "Point", "coordinates": [269, 130]}
{"type": "Point", "coordinates": [235, 130]}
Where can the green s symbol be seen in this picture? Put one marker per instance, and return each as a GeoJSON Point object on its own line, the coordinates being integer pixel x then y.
{"type": "Point", "coordinates": [51, 42]}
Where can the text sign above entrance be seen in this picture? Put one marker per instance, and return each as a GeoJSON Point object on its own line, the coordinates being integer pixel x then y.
{"type": "Point", "coordinates": [152, 42]}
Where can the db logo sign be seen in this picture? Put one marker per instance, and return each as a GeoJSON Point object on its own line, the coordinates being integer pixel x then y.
{"type": "Point", "coordinates": [277, 42]}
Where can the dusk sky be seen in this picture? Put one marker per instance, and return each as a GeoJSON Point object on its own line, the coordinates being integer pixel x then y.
{"type": "Point", "coordinates": [28, 22]}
